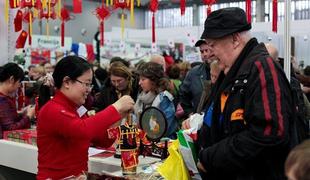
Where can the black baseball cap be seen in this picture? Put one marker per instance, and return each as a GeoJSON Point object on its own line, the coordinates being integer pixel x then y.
{"type": "Point", "coordinates": [224, 22]}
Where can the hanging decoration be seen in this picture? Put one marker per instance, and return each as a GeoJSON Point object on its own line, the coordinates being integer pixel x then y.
{"type": "Point", "coordinates": [275, 16]}
{"type": "Point", "coordinates": [102, 13]}
{"type": "Point", "coordinates": [248, 7]}
{"type": "Point", "coordinates": [209, 4]}
{"type": "Point", "coordinates": [123, 5]}
{"type": "Point", "coordinates": [65, 16]}
{"type": "Point", "coordinates": [28, 16]}
{"type": "Point", "coordinates": [18, 21]}
{"type": "Point", "coordinates": [47, 11]}
{"type": "Point", "coordinates": [21, 40]}
{"type": "Point", "coordinates": [153, 8]}
{"type": "Point", "coordinates": [77, 6]}
{"type": "Point", "coordinates": [182, 6]}
{"type": "Point", "coordinates": [14, 3]}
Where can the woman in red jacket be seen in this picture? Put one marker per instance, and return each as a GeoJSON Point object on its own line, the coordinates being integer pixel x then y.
{"type": "Point", "coordinates": [65, 132]}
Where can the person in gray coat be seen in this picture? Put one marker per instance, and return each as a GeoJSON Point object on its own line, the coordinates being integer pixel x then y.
{"type": "Point", "coordinates": [196, 81]}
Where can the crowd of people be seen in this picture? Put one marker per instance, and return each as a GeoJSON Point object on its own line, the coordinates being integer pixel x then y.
{"type": "Point", "coordinates": [252, 115]}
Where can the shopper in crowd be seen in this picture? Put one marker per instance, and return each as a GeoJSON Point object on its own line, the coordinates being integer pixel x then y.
{"type": "Point", "coordinates": [159, 59]}
{"type": "Point", "coordinates": [64, 129]}
{"type": "Point", "coordinates": [196, 81]}
{"type": "Point", "coordinates": [48, 68]}
{"type": "Point", "coordinates": [297, 164]}
{"type": "Point", "coordinates": [10, 80]}
{"type": "Point", "coordinates": [99, 80]}
{"type": "Point", "coordinates": [215, 71]}
{"type": "Point", "coordinates": [184, 68]}
{"type": "Point", "coordinates": [122, 82]}
{"type": "Point", "coordinates": [155, 93]}
{"type": "Point", "coordinates": [247, 128]}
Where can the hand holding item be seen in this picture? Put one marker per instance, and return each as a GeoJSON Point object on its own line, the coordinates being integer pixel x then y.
{"type": "Point", "coordinates": [124, 105]}
{"type": "Point", "coordinates": [30, 111]}
{"type": "Point", "coordinates": [201, 168]}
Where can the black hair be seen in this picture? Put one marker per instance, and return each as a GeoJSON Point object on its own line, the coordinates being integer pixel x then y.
{"type": "Point", "coordinates": [101, 74]}
{"type": "Point", "coordinates": [11, 69]}
{"type": "Point", "coordinates": [69, 66]}
{"type": "Point", "coordinates": [119, 59]}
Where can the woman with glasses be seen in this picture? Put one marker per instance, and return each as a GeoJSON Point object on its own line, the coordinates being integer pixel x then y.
{"type": "Point", "coordinates": [10, 77]}
{"type": "Point", "coordinates": [65, 131]}
{"type": "Point", "coordinates": [121, 82]}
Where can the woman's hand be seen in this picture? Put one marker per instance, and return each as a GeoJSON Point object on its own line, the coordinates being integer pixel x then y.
{"type": "Point", "coordinates": [124, 105]}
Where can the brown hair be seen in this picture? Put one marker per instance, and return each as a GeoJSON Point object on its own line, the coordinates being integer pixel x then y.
{"type": "Point", "coordinates": [120, 70]}
{"type": "Point", "coordinates": [299, 160]}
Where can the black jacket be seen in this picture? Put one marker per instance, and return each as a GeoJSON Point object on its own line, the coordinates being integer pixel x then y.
{"type": "Point", "coordinates": [249, 135]}
{"type": "Point", "coordinates": [192, 87]}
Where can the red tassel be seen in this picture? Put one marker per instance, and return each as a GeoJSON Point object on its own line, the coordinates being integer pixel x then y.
{"type": "Point", "coordinates": [18, 21]}
{"type": "Point", "coordinates": [182, 6]}
{"type": "Point", "coordinates": [101, 33]}
{"type": "Point", "coordinates": [13, 4]}
{"type": "Point", "coordinates": [29, 37]}
{"type": "Point", "coordinates": [77, 6]}
{"type": "Point", "coordinates": [209, 10]}
{"type": "Point", "coordinates": [275, 16]}
{"type": "Point", "coordinates": [248, 6]}
{"type": "Point", "coordinates": [153, 28]}
{"type": "Point", "coordinates": [21, 40]}
{"type": "Point", "coordinates": [62, 33]}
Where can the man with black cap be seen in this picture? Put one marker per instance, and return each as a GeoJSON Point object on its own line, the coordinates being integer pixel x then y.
{"type": "Point", "coordinates": [192, 87]}
{"type": "Point", "coordinates": [247, 127]}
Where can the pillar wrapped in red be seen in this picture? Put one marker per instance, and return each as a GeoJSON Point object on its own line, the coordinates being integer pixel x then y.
{"type": "Point", "coordinates": [248, 7]}
{"type": "Point", "coordinates": [153, 8]}
{"type": "Point", "coordinates": [275, 16]}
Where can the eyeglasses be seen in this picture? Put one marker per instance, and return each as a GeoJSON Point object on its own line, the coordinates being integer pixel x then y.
{"type": "Point", "coordinates": [86, 84]}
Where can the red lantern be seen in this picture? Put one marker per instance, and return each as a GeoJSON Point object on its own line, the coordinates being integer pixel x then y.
{"type": "Point", "coordinates": [102, 13]}
{"type": "Point", "coordinates": [27, 3]}
{"type": "Point", "coordinates": [153, 8]}
{"type": "Point", "coordinates": [65, 16]}
{"type": "Point", "coordinates": [209, 3]}
{"type": "Point", "coordinates": [14, 3]}
{"type": "Point", "coordinates": [77, 6]}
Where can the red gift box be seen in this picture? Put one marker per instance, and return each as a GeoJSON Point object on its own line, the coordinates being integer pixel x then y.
{"type": "Point", "coordinates": [28, 136]}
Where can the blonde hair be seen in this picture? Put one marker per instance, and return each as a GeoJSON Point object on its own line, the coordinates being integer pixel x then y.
{"type": "Point", "coordinates": [120, 70]}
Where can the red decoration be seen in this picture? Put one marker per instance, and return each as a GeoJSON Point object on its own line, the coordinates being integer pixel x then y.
{"type": "Point", "coordinates": [275, 16]}
{"type": "Point", "coordinates": [45, 14]}
{"type": "Point", "coordinates": [121, 4]}
{"type": "Point", "coordinates": [102, 13]}
{"type": "Point", "coordinates": [27, 3]}
{"type": "Point", "coordinates": [28, 18]}
{"type": "Point", "coordinates": [14, 3]}
{"type": "Point", "coordinates": [182, 6]}
{"type": "Point", "coordinates": [77, 6]}
{"type": "Point", "coordinates": [153, 8]}
{"type": "Point", "coordinates": [248, 6]}
{"type": "Point", "coordinates": [18, 21]}
{"type": "Point", "coordinates": [20, 42]}
{"type": "Point", "coordinates": [65, 16]}
{"type": "Point", "coordinates": [209, 4]}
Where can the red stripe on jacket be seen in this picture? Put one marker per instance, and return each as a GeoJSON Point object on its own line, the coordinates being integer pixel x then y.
{"type": "Point", "coordinates": [263, 84]}
{"type": "Point", "coordinates": [278, 96]}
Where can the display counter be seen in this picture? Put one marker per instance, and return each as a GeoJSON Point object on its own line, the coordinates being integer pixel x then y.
{"type": "Point", "coordinates": [23, 157]}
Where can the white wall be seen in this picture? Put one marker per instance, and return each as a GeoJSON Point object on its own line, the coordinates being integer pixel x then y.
{"type": "Point", "coordinates": [90, 22]}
